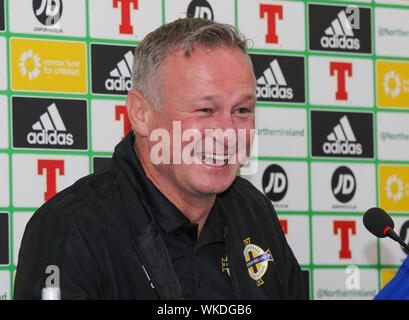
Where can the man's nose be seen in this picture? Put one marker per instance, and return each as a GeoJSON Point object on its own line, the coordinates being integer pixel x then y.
{"type": "Point", "coordinates": [225, 131]}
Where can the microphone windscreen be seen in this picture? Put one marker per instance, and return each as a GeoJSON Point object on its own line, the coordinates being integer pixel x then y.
{"type": "Point", "coordinates": [376, 221]}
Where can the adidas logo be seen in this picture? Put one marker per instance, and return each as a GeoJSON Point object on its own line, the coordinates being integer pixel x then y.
{"type": "Point", "coordinates": [120, 77]}
{"type": "Point", "coordinates": [342, 140]}
{"type": "Point", "coordinates": [272, 83]}
{"type": "Point", "coordinates": [339, 34]}
{"type": "Point", "coordinates": [47, 130]}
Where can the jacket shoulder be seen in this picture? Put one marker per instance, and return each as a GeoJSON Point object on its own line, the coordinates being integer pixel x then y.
{"type": "Point", "coordinates": [244, 189]}
{"type": "Point", "coordinates": [78, 200]}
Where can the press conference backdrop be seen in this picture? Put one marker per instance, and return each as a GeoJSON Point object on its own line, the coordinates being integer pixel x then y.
{"type": "Point", "coordinates": [332, 117]}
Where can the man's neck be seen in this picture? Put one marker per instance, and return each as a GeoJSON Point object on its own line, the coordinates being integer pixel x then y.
{"type": "Point", "coordinates": [195, 207]}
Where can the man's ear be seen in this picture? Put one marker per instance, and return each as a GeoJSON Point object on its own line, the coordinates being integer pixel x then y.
{"type": "Point", "coordinates": [138, 112]}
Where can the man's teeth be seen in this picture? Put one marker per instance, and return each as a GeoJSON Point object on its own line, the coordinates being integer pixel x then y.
{"type": "Point", "coordinates": [215, 159]}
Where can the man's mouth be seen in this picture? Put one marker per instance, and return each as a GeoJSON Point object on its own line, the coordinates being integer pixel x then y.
{"type": "Point", "coordinates": [217, 160]}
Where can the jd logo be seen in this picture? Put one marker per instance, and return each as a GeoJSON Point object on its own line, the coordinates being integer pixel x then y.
{"type": "Point", "coordinates": [275, 182]}
{"type": "Point", "coordinates": [200, 9]}
{"type": "Point", "coordinates": [48, 12]}
{"type": "Point", "coordinates": [343, 184]}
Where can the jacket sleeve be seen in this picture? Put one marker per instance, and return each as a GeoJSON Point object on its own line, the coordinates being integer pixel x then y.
{"type": "Point", "coordinates": [52, 239]}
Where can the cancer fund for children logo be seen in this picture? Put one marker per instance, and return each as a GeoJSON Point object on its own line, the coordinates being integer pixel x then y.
{"type": "Point", "coordinates": [394, 187]}
{"type": "Point", "coordinates": [48, 65]}
{"type": "Point", "coordinates": [393, 83]}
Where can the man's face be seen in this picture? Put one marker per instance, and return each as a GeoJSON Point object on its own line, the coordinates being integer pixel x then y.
{"type": "Point", "coordinates": [212, 89]}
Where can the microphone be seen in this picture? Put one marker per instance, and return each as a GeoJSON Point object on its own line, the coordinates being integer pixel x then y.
{"type": "Point", "coordinates": [381, 225]}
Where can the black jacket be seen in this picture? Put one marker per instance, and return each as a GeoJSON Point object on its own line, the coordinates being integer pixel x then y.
{"type": "Point", "coordinates": [101, 234]}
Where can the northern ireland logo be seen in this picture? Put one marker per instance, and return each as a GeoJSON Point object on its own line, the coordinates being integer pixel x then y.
{"type": "Point", "coordinates": [256, 260]}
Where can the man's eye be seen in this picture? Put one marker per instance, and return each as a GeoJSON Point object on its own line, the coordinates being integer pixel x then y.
{"type": "Point", "coordinates": [242, 110]}
{"type": "Point", "coordinates": [205, 110]}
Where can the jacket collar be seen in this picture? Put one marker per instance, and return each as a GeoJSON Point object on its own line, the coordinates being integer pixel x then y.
{"type": "Point", "coordinates": [164, 212]}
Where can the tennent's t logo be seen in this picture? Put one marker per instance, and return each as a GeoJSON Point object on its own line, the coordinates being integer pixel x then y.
{"type": "Point", "coordinates": [344, 227]}
{"type": "Point", "coordinates": [121, 111]}
{"type": "Point", "coordinates": [272, 11]}
{"type": "Point", "coordinates": [125, 27]}
{"type": "Point", "coordinates": [342, 68]}
{"type": "Point", "coordinates": [50, 167]}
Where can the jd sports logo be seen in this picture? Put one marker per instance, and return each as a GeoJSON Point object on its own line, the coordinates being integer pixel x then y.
{"type": "Point", "coordinates": [112, 78]}
{"type": "Point", "coordinates": [275, 182]}
{"type": "Point", "coordinates": [342, 134]}
{"type": "Point", "coordinates": [48, 12]}
{"type": "Point", "coordinates": [333, 28]}
{"type": "Point", "coordinates": [279, 78]}
{"type": "Point", "coordinates": [343, 184]}
{"type": "Point", "coordinates": [200, 9]}
{"type": "Point", "coordinates": [49, 123]}
{"type": "Point", "coordinates": [4, 238]}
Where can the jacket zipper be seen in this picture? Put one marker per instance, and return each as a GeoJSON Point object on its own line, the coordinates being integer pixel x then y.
{"type": "Point", "coordinates": [135, 246]}
{"type": "Point", "coordinates": [233, 282]}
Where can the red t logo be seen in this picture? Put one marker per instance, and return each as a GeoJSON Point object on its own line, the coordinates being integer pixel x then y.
{"type": "Point", "coordinates": [50, 167]}
{"type": "Point", "coordinates": [345, 226]}
{"type": "Point", "coordinates": [121, 110]}
{"type": "Point", "coordinates": [341, 68]}
{"type": "Point", "coordinates": [272, 11]}
{"type": "Point", "coordinates": [284, 225]}
{"type": "Point", "coordinates": [125, 27]}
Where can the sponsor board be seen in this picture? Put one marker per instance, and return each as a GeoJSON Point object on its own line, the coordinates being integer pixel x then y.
{"type": "Point", "coordinates": [392, 83]}
{"type": "Point", "coordinates": [48, 65]}
{"type": "Point", "coordinates": [391, 253]}
{"type": "Point", "coordinates": [338, 134]}
{"type": "Point", "coordinates": [393, 187]}
{"type": "Point", "coordinates": [110, 124]}
{"type": "Point", "coordinates": [278, 25]}
{"type": "Point", "coordinates": [284, 183]}
{"type": "Point", "coordinates": [48, 174]}
{"type": "Point", "coordinates": [2, 16]}
{"type": "Point", "coordinates": [279, 79]}
{"type": "Point", "coordinates": [342, 284]}
{"type": "Point", "coordinates": [4, 122]}
{"type": "Point", "coordinates": [342, 187]}
{"type": "Point", "coordinates": [220, 11]}
{"type": "Point", "coordinates": [297, 232]}
{"type": "Point", "coordinates": [49, 123]}
{"type": "Point", "coordinates": [100, 163]}
{"type": "Point", "coordinates": [335, 81]}
{"type": "Point", "coordinates": [56, 17]}
{"type": "Point", "coordinates": [4, 180]}
{"type": "Point", "coordinates": [3, 64]}
{"type": "Point", "coordinates": [339, 240]}
{"type": "Point", "coordinates": [123, 19]}
{"type": "Point", "coordinates": [111, 69]}
{"type": "Point", "coordinates": [392, 32]}
{"type": "Point", "coordinates": [339, 28]}
{"type": "Point", "coordinates": [393, 136]}
{"type": "Point", "coordinates": [387, 275]}
{"type": "Point", "coordinates": [4, 238]}
{"type": "Point", "coordinates": [281, 131]}
{"type": "Point", "coordinates": [5, 285]}
{"type": "Point", "coordinates": [20, 220]}
{"type": "Point", "coordinates": [401, 2]}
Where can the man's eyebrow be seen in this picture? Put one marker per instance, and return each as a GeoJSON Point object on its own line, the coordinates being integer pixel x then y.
{"type": "Point", "coordinates": [215, 98]}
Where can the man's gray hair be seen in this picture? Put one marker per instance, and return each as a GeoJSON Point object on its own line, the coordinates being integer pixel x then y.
{"type": "Point", "coordinates": [182, 34]}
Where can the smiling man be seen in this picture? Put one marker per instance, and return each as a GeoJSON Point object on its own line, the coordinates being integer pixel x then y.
{"type": "Point", "coordinates": [170, 219]}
